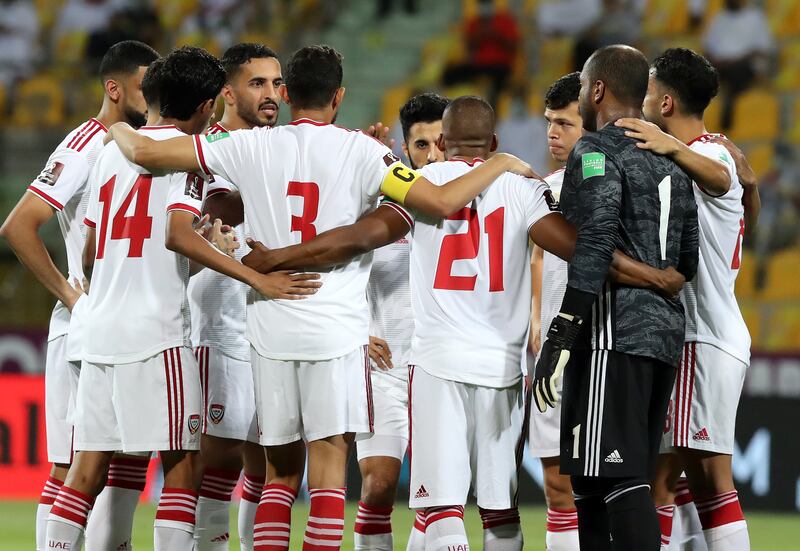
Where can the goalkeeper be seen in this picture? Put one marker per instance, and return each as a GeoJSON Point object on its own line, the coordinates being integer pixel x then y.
{"type": "Point", "coordinates": [617, 346]}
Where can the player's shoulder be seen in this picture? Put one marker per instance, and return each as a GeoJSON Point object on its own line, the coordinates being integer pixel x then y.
{"type": "Point", "coordinates": [83, 138]}
{"type": "Point", "coordinates": [556, 177]}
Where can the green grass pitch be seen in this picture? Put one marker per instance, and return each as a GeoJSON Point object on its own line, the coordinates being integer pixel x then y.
{"type": "Point", "coordinates": [768, 532]}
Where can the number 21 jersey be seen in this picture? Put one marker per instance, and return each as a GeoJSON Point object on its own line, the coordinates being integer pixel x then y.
{"type": "Point", "coordinates": [137, 302]}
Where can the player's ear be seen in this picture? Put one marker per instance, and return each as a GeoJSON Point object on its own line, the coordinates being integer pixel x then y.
{"type": "Point", "coordinates": [440, 143]}
{"type": "Point", "coordinates": [227, 95]}
{"type": "Point", "coordinates": [598, 91]}
{"type": "Point", "coordinates": [337, 98]}
{"type": "Point", "coordinates": [493, 147]}
{"type": "Point", "coordinates": [113, 89]}
{"type": "Point", "coordinates": [404, 146]}
{"type": "Point", "coordinates": [283, 92]}
{"type": "Point", "coordinates": [667, 105]}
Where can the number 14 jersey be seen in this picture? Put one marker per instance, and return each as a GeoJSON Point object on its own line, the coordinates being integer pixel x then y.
{"type": "Point", "coordinates": [137, 303]}
{"type": "Point", "coordinates": [471, 281]}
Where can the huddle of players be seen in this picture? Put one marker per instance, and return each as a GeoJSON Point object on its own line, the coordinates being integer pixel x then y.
{"type": "Point", "coordinates": [465, 382]}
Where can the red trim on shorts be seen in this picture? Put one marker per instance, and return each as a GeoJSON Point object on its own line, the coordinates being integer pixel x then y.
{"type": "Point", "coordinates": [169, 400]}
{"type": "Point", "coordinates": [520, 451]}
{"type": "Point", "coordinates": [47, 199]}
{"type": "Point", "coordinates": [179, 369]}
{"type": "Point", "coordinates": [368, 380]}
{"type": "Point", "coordinates": [410, 380]}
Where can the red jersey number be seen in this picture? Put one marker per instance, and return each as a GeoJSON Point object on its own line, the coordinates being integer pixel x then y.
{"type": "Point", "coordinates": [737, 253]}
{"type": "Point", "coordinates": [465, 246]}
{"type": "Point", "coordinates": [304, 223]}
{"type": "Point", "coordinates": [135, 228]}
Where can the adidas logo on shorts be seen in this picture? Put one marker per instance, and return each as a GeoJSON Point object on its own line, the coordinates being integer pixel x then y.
{"type": "Point", "coordinates": [614, 457]}
{"type": "Point", "coordinates": [422, 492]}
{"type": "Point", "coordinates": [702, 435]}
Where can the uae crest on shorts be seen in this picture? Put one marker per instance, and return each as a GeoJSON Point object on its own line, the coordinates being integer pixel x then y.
{"type": "Point", "coordinates": [194, 423]}
{"type": "Point", "coordinates": [216, 412]}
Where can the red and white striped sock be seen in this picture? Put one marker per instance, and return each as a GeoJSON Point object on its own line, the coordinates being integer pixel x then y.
{"type": "Point", "coordinates": [325, 520]}
{"type": "Point", "coordinates": [111, 522]}
{"type": "Point", "coordinates": [562, 530]}
{"type": "Point", "coordinates": [49, 493]}
{"type": "Point", "coordinates": [444, 526]}
{"type": "Point", "coordinates": [373, 528]}
{"type": "Point", "coordinates": [174, 524]}
{"type": "Point", "coordinates": [501, 529]}
{"type": "Point", "coordinates": [273, 521]}
{"type": "Point", "coordinates": [416, 540]}
{"type": "Point", "coordinates": [67, 520]}
{"type": "Point", "coordinates": [665, 514]}
{"type": "Point", "coordinates": [211, 530]}
{"type": "Point", "coordinates": [689, 532]}
{"type": "Point", "coordinates": [252, 486]}
{"type": "Point", "coordinates": [724, 527]}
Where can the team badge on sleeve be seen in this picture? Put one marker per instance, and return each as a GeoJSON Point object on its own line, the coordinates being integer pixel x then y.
{"type": "Point", "coordinates": [593, 164]}
{"type": "Point", "coordinates": [550, 199]}
{"type": "Point", "coordinates": [49, 176]}
{"type": "Point", "coordinates": [194, 186]}
{"type": "Point", "coordinates": [194, 423]}
{"type": "Point", "coordinates": [216, 412]}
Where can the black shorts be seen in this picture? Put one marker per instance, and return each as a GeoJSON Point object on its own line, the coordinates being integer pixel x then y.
{"type": "Point", "coordinates": [612, 414]}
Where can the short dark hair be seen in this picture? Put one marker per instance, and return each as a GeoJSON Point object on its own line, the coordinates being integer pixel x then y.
{"type": "Point", "coordinates": [152, 81]}
{"type": "Point", "coordinates": [189, 77]}
{"type": "Point", "coordinates": [690, 76]}
{"type": "Point", "coordinates": [125, 58]}
{"type": "Point", "coordinates": [239, 54]}
{"type": "Point", "coordinates": [427, 107]}
{"type": "Point", "coordinates": [623, 69]}
{"type": "Point", "coordinates": [313, 75]}
{"type": "Point", "coordinates": [563, 91]}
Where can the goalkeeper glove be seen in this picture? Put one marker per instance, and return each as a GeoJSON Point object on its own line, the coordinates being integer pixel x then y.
{"type": "Point", "coordinates": [553, 359]}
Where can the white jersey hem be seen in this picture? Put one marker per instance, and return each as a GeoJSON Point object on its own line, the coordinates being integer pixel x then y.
{"type": "Point", "coordinates": [132, 358]}
{"type": "Point", "coordinates": [713, 341]}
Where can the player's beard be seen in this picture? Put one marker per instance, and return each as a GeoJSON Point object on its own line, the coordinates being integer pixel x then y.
{"type": "Point", "coordinates": [251, 117]}
{"type": "Point", "coordinates": [135, 118]}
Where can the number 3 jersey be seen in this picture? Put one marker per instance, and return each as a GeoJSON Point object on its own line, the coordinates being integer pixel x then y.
{"type": "Point", "coordinates": [471, 281]}
{"type": "Point", "coordinates": [297, 181]}
{"type": "Point", "coordinates": [137, 302]}
{"type": "Point", "coordinates": [712, 314]}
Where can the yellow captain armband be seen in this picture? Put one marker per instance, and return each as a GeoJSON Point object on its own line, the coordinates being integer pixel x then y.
{"type": "Point", "coordinates": [398, 181]}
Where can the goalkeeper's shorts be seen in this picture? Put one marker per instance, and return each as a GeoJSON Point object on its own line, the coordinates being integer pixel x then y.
{"type": "Point", "coordinates": [613, 411]}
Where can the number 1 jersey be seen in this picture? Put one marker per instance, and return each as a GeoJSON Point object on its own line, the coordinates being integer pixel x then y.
{"type": "Point", "coordinates": [471, 280]}
{"type": "Point", "coordinates": [137, 301]}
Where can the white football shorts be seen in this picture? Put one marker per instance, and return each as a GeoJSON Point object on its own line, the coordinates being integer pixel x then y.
{"type": "Point", "coordinates": [312, 400]}
{"type": "Point", "coordinates": [60, 390]}
{"type": "Point", "coordinates": [229, 403]}
{"type": "Point", "coordinates": [154, 405]}
{"type": "Point", "coordinates": [702, 410]}
{"type": "Point", "coordinates": [390, 437]}
{"type": "Point", "coordinates": [464, 434]}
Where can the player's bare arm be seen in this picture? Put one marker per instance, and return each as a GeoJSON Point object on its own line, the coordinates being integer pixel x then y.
{"type": "Point", "coordinates": [537, 261]}
{"type": "Point", "coordinates": [383, 226]}
{"type": "Point", "coordinates": [174, 154]}
{"type": "Point", "coordinates": [21, 232]}
{"type": "Point", "coordinates": [709, 174]}
{"type": "Point", "coordinates": [182, 238]}
{"type": "Point", "coordinates": [751, 198]}
{"type": "Point", "coordinates": [414, 191]}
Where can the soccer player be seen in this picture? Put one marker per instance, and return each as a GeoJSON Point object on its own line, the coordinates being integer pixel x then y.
{"type": "Point", "coordinates": [138, 389]}
{"type": "Point", "coordinates": [60, 189]}
{"type": "Point", "coordinates": [309, 358]}
{"type": "Point", "coordinates": [391, 326]}
{"type": "Point", "coordinates": [564, 128]}
{"type": "Point", "coordinates": [229, 437]}
{"type": "Point", "coordinates": [699, 432]}
{"type": "Point", "coordinates": [616, 346]}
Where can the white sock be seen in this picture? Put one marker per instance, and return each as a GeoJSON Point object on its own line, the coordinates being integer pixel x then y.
{"type": "Point", "coordinates": [501, 530]}
{"type": "Point", "coordinates": [690, 536]}
{"type": "Point", "coordinates": [212, 517]}
{"type": "Point", "coordinates": [728, 537]}
{"type": "Point", "coordinates": [49, 493]}
{"type": "Point", "coordinates": [416, 539]}
{"type": "Point", "coordinates": [173, 528]}
{"type": "Point", "coordinates": [67, 520]}
{"type": "Point", "coordinates": [252, 486]}
{"type": "Point", "coordinates": [724, 527]}
{"type": "Point", "coordinates": [111, 522]}
{"type": "Point", "coordinates": [562, 530]}
{"type": "Point", "coordinates": [444, 529]}
{"type": "Point", "coordinates": [373, 528]}
{"type": "Point", "coordinates": [64, 534]}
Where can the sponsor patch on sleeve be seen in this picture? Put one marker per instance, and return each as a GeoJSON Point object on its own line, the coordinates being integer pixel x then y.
{"type": "Point", "coordinates": [194, 186]}
{"type": "Point", "coordinates": [49, 176]}
{"type": "Point", "coordinates": [593, 164]}
{"type": "Point", "coordinates": [390, 158]}
{"type": "Point", "coordinates": [211, 138]}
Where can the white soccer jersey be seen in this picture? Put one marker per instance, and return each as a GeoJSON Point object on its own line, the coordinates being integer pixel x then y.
{"type": "Point", "coordinates": [62, 185]}
{"type": "Point", "coordinates": [471, 280]}
{"type": "Point", "coordinates": [554, 270]}
{"type": "Point", "coordinates": [712, 313]}
{"type": "Point", "coordinates": [137, 304]}
{"type": "Point", "coordinates": [389, 292]}
{"type": "Point", "coordinates": [297, 181]}
{"type": "Point", "coordinates": [217, 302]}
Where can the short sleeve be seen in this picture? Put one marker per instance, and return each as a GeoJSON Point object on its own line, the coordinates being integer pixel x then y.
{"type": "Point", "coordinates": [377, 160]}
{"type": "Point", "coordinates": [63, 176]}
{"type": "Point", "coordinates": [407, 214]}
{"type": "Point", "coordinates": [716, 152]}
{"type": "Point", "coordinates": [186, 193]}
{"type": "Point", "coordinates": [226, 153]}
{"type": "Point", "coordinates": [535, 199]}
{"type": "Point", "coordinates": [219, 185]}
